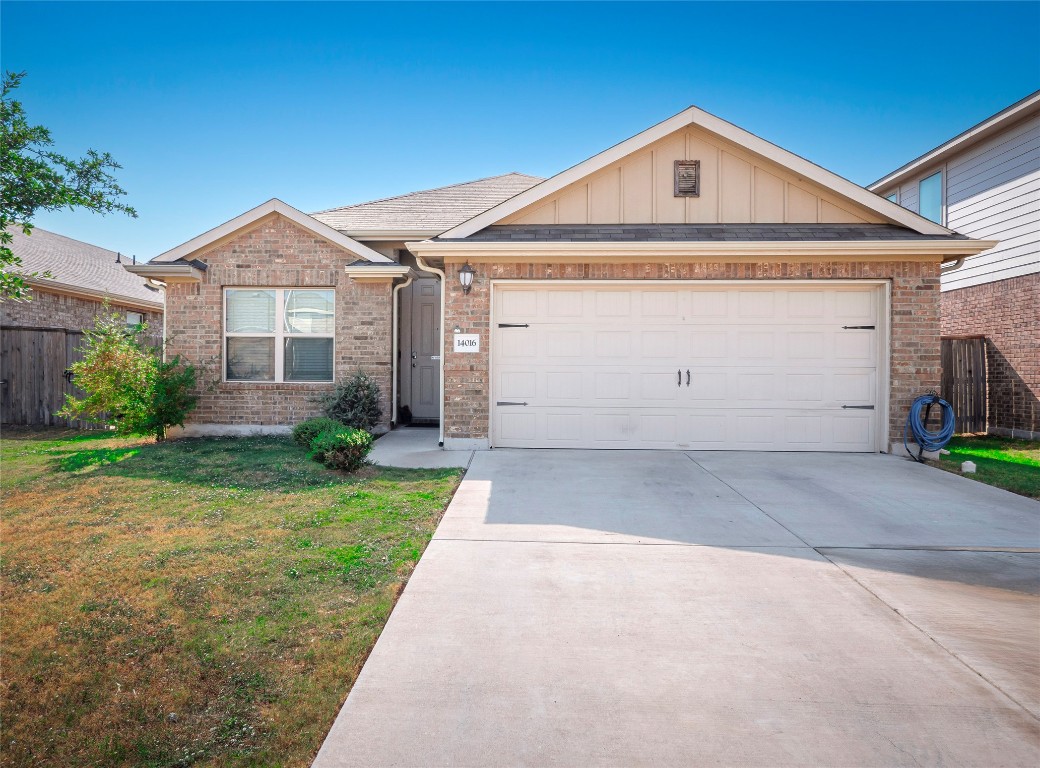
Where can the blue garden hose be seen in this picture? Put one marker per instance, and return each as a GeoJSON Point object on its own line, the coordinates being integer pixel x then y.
{"type": "Point", "coordinates": [926, 439]}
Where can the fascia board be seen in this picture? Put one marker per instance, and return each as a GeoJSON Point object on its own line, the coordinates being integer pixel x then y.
{"type": "Point", "coordinates": [274, 205]}
{"type": "Point", "coordinates": [860, 249]}
{"type": "Point", "coordinates": [726, 130]}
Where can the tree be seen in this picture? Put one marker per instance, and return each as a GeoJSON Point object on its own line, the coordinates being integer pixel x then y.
{"type": "Point", "coordinates": [34, 178]}
{"type": "Point", "coordinates": [127, 383]}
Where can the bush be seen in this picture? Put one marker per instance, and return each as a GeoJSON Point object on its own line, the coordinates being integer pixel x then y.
{"type": "Point", "coordinates": [354, 402]}
{"type": "Point", "coordinates": [305, 432]}
{"type": "Point", "coordinates": [127, 383]}
{"type": "Point", "coordinates": [343, 448]}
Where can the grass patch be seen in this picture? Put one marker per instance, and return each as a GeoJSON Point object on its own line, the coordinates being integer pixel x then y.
{"type": "Point", "coordinates": [1013, 465]}
{"type": "Point", "coordinates": [200, 602]}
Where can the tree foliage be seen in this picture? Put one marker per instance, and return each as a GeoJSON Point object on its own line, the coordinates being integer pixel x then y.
{"type": "Point", "coordinates": [127, 384]}
{"type": "Point", "coordinates": [35, 178]}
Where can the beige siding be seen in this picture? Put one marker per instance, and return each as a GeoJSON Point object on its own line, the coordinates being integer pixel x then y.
{"type": "Point", "coordinates": [736, 188]}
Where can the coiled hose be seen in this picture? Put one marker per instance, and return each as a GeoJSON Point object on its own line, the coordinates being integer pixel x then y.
{"type": "Point", "coordinates": [926, 439]}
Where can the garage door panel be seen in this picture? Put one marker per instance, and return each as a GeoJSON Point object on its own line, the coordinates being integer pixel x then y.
{"type": "Point", "coordinates": [770, 367]}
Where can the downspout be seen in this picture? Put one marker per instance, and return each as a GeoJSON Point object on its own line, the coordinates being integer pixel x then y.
{"type": "Point", "coordinates": [444, 292]}
{"type": "Point", "coordinates": [394, 362]}
{"type": "Point", "coordinates": [943, 269]}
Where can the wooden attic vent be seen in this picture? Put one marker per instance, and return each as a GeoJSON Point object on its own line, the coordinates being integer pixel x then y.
{"type": "Point", "coordinates": [687, 178]}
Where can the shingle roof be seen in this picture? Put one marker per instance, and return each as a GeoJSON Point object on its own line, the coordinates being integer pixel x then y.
{"type": "Point", "coordinates": [430, 209]}
{"type": "Point", "coordinates": [78, 264]}
{"type": "Point", "coordinates": [566, 233]}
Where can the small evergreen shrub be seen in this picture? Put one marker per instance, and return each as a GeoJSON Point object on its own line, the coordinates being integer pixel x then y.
{"type": "Point", "coordinates": [305, 432]}
{"type": "Point", "coordinates": [343, 448]}
{"type": "Point", "coordinates": [354, 402]}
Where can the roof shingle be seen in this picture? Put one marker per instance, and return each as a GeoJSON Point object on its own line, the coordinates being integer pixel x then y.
{"type": "Point", "coordinates": [77, 264]}
{"type": "Point", "coordinates": [437, 209]}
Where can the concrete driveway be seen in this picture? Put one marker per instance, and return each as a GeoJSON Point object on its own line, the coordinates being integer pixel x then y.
{"type": "Point", "coordinates": [581, 608]}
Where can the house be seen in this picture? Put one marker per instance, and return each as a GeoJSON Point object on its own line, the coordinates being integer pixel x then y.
{"type": "Point", "coordinates": [40, 338]}
{"type": "Point", "coordinates": [692, 287]}
{"type": "Point", "coordinates": [985, 183]}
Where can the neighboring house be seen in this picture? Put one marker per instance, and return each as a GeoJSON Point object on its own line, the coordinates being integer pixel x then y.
{"type": "Point", "coordinates": [985, 183]}
{"type": "Point", "coordinates": [691, 287]}
{"type": "Point", "coordinates": [40, 338]}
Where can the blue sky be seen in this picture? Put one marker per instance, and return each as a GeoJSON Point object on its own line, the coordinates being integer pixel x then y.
{"type": "Point", "coordinates": [213, 108]}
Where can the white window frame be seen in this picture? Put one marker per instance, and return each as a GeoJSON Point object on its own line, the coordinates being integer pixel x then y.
{"type": "Point", "coordinates": [279, 335]}
{"type": "Point", "coordinates": [134, 323]}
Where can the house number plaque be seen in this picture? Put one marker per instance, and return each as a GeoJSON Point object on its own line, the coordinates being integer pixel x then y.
{"type": "Point", "coordinates": [467, 342]}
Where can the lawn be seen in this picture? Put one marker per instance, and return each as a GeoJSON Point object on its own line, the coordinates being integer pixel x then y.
{"type": "Point", "coordinates": [202, 602]}
{"type": "Point", "coordinates": [1010, 464]}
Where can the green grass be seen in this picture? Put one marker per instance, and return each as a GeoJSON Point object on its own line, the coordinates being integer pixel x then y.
{"type": "Point", "coordinates": [1010, 464]}
{"type": "Point", "coordinates": [199, 602]}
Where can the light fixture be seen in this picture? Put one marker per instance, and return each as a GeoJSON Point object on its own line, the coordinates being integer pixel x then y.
{"type": "Point", "coordinates": [466, 277]}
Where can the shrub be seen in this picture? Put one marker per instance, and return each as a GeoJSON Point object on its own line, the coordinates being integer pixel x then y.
{"type": "Point", "coordinates": [343, 448]}
{"type": "Point", "coordinates": [305, 432]}
{"type": "Point", "coordinates": [127, 383]}
{"type": "Point", "coordinates": [354, 402]}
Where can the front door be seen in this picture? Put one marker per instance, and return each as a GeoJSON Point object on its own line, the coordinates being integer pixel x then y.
{"type": "Point", "coordinates": [424, 363]}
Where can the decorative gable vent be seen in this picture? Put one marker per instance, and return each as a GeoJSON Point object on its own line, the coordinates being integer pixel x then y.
{"type": "Point", "coordinates": [687, 178]}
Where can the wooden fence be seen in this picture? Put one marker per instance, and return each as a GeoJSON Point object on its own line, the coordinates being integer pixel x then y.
{"type": "Point", "coordinates": [964, 380]}
{"type": "Point", "coordinates": [33, 379]}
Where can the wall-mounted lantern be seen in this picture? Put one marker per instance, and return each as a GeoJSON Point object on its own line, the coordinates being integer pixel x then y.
{"type": "Point", "coordinates": [466, 277]}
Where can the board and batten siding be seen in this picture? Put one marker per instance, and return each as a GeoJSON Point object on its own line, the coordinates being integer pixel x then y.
{"type": "Point", "coordinates": [991, 190]}
{"type": "Point", "coordinates": [736, 187]}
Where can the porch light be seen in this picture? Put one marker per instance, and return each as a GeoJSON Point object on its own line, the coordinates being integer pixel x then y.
{"type": "Point", "coordinates": [466, 277]}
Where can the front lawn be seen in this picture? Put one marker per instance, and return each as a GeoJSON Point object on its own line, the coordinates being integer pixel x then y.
{"type": "Point", "coordinates": [200, 601]}
{"type": "Point", "coordinates": [1010, 464]}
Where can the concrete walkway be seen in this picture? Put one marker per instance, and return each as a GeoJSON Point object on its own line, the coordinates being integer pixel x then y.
{"type": "Point", "coordinates": [415, 448]}
{"type": "Point", "coordinates": [639, 608]}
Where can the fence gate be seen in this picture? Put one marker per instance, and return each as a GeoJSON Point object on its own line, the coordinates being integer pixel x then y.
{"type": "Point", "coordinates": [964, 380]}
{"type": "Point", "coordinates": [33, 384]}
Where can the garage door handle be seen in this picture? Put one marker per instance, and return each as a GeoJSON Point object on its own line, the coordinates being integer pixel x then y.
{"type": "Point", "coordinates": [513, 325]}
{"type": "Point", "coordinates": [679, 374]}
{"type": "Point", "coordinates": [687, 377]}
{"type": "Point", "coordinates": [858, 328]}
{"type": "Point", "coordinates": [858, 407]}
{"type": "Point", "coordinates": [506, 402]}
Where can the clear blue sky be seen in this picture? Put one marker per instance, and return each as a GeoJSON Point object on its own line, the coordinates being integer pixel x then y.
{"type": "Point", "coordinates": [213, 108]}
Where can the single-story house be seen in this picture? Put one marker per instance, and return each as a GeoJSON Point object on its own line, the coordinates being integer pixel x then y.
{"type": "Point", "coordinates": [985, 183]}
{"type": "Point", "coordinates": [41, 337]}
{"type": "Point", "coordinates": [692, 287]}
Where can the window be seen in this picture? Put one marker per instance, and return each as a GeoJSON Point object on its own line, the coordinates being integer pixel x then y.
{"type": "Point", "coordinates": [930, 197]}
{"type": "Point", "coordinates": [894, 197]}
{"type": "Point", "coordinates": [134, 319]}
{"type": "Point", "coordinates": [279, 334]}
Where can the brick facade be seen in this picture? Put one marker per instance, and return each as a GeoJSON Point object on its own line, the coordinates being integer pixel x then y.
{"type": "Point", "coordinates": [276, 253]}
{"type": "Point", "coordinates": [1007, 313]}
{"type": "Point", "coordinates": [59, 310]}
{"type": "Point", "coordinates": [914, 363]}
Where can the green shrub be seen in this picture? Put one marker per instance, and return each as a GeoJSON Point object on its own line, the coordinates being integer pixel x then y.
{"type": "Point", "coordinates": [127, 383]}
{"type": "Point", "coordinates": [305, 432]}
{"type": "Point", "coordinates": [354, 402]}
{"type": "Point", "coordinates": [343, 448]}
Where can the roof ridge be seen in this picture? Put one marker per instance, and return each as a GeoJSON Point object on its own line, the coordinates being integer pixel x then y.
{"type": "Point", "coordinates": [423, 191]}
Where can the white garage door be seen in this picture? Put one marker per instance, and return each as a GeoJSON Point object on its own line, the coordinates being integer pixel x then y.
{"type": "Point", "coordinates": [713, 367]}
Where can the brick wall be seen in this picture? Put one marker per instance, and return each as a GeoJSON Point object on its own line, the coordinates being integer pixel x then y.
{"type": "Point", "coordinates": [58, 310]}
{"type": "Point", "coordinates": [914, 364]}
{"type": "Point", "coordinates": [1007, 312]}
{"type": "Point", "coordinates": [278, 254]}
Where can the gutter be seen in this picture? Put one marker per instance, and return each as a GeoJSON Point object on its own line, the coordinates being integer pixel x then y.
{"type": "Point", "coordinates": [951, 266]}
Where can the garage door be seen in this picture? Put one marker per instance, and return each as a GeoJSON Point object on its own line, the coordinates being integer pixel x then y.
{"type": "Point", "coordinates": [691, 367]}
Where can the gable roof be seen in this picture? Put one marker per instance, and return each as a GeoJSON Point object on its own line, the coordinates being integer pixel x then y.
{"type": "Point", "coordinates": [274, 205]}
{"type": "Point", "coordinates": [697, 117]}
{"type": "Point", "coordinates": [991, 125]}
{"type": "Point", "coordinates": [76, 266]}
{"type": "Point", "coordinates": [429, 210]}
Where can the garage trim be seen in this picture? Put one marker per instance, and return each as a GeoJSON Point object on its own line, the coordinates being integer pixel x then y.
{"type": "Point", "coordinates": [881, 431]}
